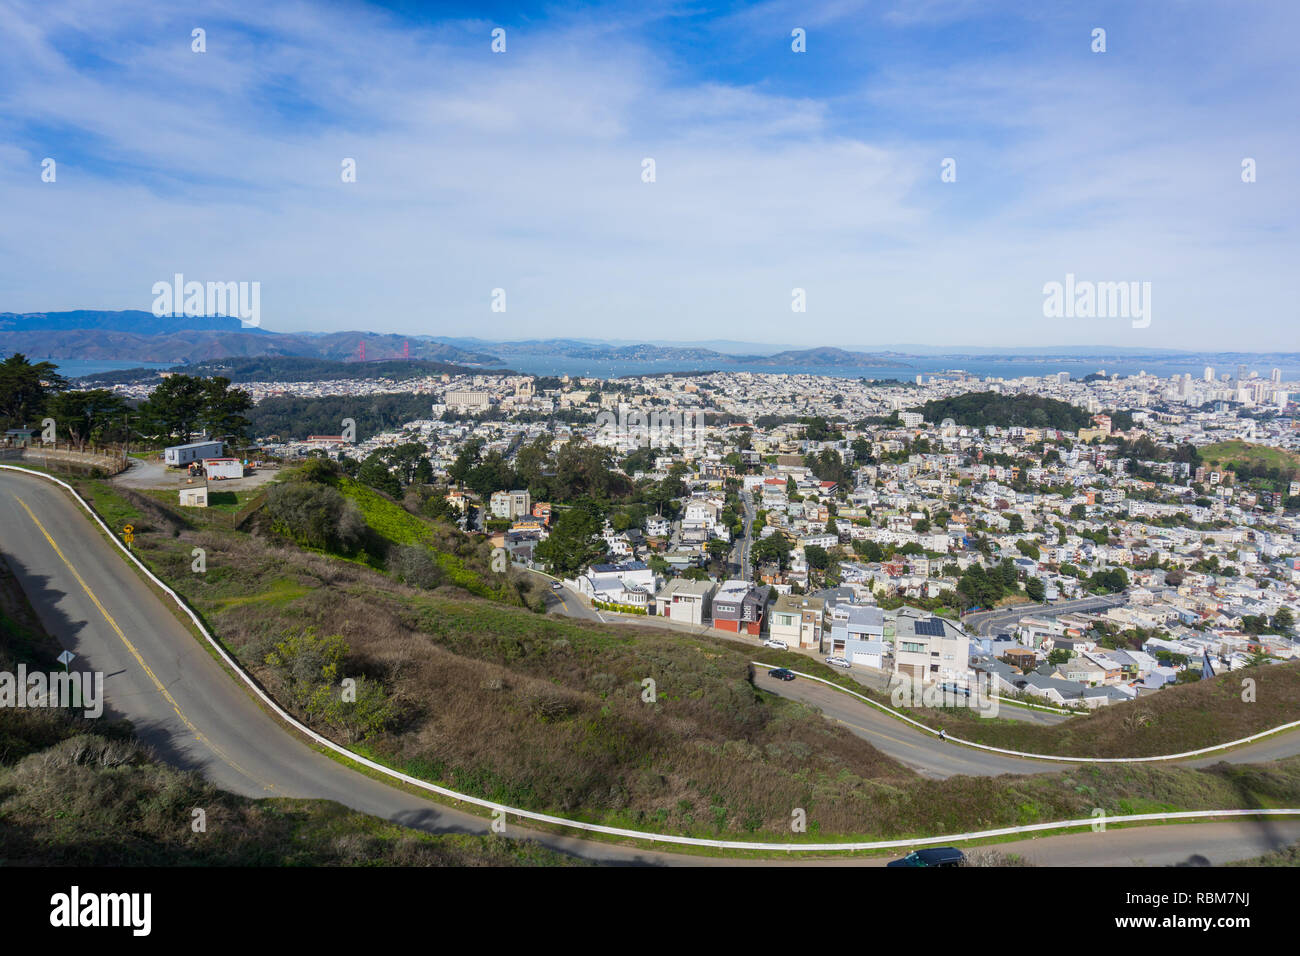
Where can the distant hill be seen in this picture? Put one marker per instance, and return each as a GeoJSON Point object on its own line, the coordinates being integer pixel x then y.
{"type": "Point", "coordinates": [703, 357]}
{"type": "Point", "coordinates": [287, 369]}
{"type": "Point", "coordinates": [138, 336]}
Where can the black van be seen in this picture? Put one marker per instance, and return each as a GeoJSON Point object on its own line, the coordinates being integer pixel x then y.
{"type": "Point", "coordinates": [938, 856]}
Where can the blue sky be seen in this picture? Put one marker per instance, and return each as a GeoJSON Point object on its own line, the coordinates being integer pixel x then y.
{"type": "Point", "coordinates": [775, 170]}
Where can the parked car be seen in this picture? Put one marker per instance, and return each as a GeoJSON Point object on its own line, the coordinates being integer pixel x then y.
{"type": "Point", "coordinates": [838, 662]}
{"type": "Point", "coordinates": [778, 644]}
{"type": "Point", "coordinates": [935, 856]}
{"type": "Point", "coordinates": [781, 673]}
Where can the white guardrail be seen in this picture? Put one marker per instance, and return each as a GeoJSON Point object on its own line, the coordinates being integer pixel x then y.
{"type": "Point", "coordinates": [1020, 753]}
{"type": "Point", "coordinates": [619, 831]}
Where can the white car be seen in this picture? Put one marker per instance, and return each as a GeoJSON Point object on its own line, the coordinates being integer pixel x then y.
{"type": "Point", "coordinates": [838, 662]}
{"type": "Point", "coordinates": [778, 644]}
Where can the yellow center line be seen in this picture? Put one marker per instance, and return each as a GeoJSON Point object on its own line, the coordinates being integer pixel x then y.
{"type": "Point", "coordinates": [198, 735]}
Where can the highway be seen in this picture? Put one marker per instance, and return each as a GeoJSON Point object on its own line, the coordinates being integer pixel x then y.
{"type": "Point", "coordinates": [196, 716]}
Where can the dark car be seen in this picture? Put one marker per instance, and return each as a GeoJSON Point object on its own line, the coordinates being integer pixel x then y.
{"type": "Point", "coordinates": [938, 856]}
{"type": "Point", "coordinates": [781, 673]}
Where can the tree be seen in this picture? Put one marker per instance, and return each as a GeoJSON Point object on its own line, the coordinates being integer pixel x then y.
{"type": "Point", "coordinates": [374, 472]}
{"type": "Point", "coordinates": [222, 412]}
{"type": "Point", "coordinates": [1036, 590]}
{"type": "Point", "coordinates": [84, 416]}
{"type": "Point", "coordinates": [183, 404]}
{"type": "Point", "coordinates": [25, 388]}
{"type": "Point", "coordinates": [574, 543]}
{"type": "Point", "coordinates": [817, 557]}
{"type": "Point", "coordinates": [774, 547]}
{"type": "Point", "coordinates": [1284, 620]}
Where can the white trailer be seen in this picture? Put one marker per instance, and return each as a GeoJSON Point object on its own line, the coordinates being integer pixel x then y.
{"type": "Point", "coordinates": [218, 468]}
{"type": "Point", "coordinates": [178, 456]}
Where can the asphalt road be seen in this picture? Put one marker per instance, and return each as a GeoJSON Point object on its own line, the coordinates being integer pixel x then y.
{"type": "Point", "coordinates": [997, 621]}
{"type": "Point", "coordinates": [196, 716]}
{"type": "Point", "coordinates": [927, 755]}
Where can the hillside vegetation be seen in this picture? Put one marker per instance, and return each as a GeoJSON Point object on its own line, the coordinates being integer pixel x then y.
{"type": "Point", "coordinates": [556, 715]}
{"type": "Point", "coordinates": [979, 409]}
{"type": "Point", "coordinates": [79, 792]}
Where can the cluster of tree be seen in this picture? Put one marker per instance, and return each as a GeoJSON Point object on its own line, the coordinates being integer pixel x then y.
{"type": "Point", "coordinates": [979, 409]}
{"type": "Point", "coordinates": [295, 417]}
{"type": "Point", "coordinates": [827, 465]}
{"type": "Point", "coordinates": [1281, 623]}
{"type": "Point", "coordinates": [984, 588]}
{"type": "Point", "coordinates": [315, 514]}
{"type": "Point", "coordinates": [184, 404]}
{"type": "Point", "coordinates": [179, 406]}
{"type": "Point", "coordinates": [574, 542]}
{"type": "Point", "coordinates": [25, 390]}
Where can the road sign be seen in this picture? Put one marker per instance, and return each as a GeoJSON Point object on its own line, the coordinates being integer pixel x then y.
{"type": "Point", "coordinates": [66, 658]}
{"type": "Point", "coordinates": [128, 533]}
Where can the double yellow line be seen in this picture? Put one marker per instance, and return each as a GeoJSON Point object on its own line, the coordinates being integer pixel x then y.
{"type": "Point", "coordinates": [198, 734]}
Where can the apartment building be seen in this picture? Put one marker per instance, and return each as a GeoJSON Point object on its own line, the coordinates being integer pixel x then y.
{"type": "Point", "coordinates": [510, 504]}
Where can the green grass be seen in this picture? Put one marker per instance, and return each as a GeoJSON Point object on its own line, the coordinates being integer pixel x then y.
{"type": "Point", "coordinates": [282, 592]}
{"type": "Point", "coordinates": [394, 523]}
{"type": "Point", "coordinates": [1238, 452]}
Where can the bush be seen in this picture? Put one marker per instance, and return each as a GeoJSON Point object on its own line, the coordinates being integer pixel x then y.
{"type": "Point", "coordinates": [415, 565]}
{"type": "Point", "coordinates": [315, 515]}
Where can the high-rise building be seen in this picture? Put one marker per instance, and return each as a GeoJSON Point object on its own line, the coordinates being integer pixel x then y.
{"type": "Point", "coordinates": [1276, 376]}
{"type": "Point", "coordinates": [1209, 373]}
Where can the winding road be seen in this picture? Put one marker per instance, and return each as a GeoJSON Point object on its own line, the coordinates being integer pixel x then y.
{"type": "Point", "coordinates": [196, 716]}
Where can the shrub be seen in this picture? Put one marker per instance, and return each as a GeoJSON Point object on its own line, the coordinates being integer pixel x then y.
{"type": "Point", "coordinates": [315, 515]}
{"type": "Point", "coordinates": [416, 566]}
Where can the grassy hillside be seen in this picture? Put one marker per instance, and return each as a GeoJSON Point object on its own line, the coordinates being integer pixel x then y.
{"type": "Point", "coordinates": [1177, 719]}
{"type": "Point", "coordinates": [78, 792]}
{"type": "Point", "coordinates": [1238, 455]}
{"type": "Point", "coordinates": [548, 713]}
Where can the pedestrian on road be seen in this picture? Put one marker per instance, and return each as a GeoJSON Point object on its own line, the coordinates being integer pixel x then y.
{"type": "Point", "coordinates": [941, 736]}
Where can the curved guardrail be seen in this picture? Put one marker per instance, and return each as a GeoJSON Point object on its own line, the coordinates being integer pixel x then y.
{"type": "Point", "coordinates": [619, 831]}
{"type": "Point", "coordinates": [1020, 753]}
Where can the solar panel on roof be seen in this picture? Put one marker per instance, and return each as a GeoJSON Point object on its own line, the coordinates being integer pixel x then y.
{"type": "Point", "coordinates": [931, 628]}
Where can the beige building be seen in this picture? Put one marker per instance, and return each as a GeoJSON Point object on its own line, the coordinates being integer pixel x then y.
{"type": "Point", "coordinates": [797, 619]}
{"type": "Point", "coordinates": [931, 649]}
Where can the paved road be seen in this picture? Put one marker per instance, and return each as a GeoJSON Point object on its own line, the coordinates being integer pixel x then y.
{"type": "Point", "coordinates": [180, 700]}
{"type": "Point", "coordinates": [746, 539]}
{"type": "Point", "coordinates": [925, 754]}
{"type": "Point", "coordinates": [563, 600]}
{"type": "Point", "coordinates": [997, 621]}
{"type": "Point", "coordinates": [196, 716]}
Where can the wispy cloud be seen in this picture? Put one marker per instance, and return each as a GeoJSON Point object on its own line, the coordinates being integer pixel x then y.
{"type": "Point", "coordinates": [773, 169]}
